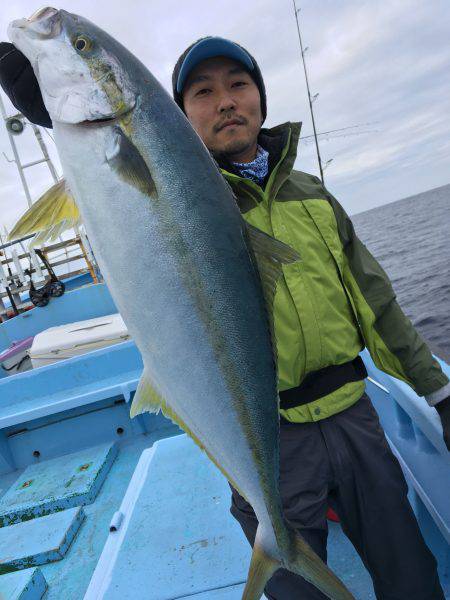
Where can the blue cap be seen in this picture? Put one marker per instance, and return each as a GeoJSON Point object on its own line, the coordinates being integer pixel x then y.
{"type": "Point", "coordinates": [207, 48]}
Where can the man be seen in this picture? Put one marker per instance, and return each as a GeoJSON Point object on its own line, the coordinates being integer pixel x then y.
{"type": "Point", "coordinates": [328, 306]}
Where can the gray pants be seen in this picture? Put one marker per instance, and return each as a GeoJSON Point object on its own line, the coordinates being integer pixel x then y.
{"type": "Point", "coordinates": [345, 462]}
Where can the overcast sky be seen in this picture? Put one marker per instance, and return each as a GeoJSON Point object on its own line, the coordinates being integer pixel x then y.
{"type": "Point", "coordinates": [386, 64]}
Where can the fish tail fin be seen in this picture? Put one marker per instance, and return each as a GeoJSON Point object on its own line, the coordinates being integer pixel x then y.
{"type": "Point", "coordinates": [262, 566]}
{"type": "Point", "coordinates": [303, 561]}
{"type": "Point", "coordinates": [299, 558]}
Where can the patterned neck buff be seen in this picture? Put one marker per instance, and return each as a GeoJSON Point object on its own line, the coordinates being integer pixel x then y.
{"type": "Point", "coordinates": [257, 169]}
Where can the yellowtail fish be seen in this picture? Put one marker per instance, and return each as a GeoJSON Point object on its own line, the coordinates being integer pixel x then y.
{"type": "Point", "coordinates": [193, 282]}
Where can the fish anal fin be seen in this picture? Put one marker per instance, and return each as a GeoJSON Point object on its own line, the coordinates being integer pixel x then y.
{"type": "Point", "coordinates": [125, 159]}
{"type": "Point", "coordinates": [148, 399]}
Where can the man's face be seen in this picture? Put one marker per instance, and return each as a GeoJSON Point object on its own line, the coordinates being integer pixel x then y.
{"type": "Point", "coordinates": [222, 103]}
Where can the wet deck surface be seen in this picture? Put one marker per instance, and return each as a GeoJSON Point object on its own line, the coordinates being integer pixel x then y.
{"type": "Point", "coordinates": [180, 542]}
{"type": "Point", "coordinates": [192, 547]}
{"type": "Point", "coordinates": [69, 577]}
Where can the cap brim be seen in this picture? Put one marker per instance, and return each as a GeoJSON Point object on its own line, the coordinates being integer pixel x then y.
{"type": "Point", "coordinates": [209, 48]}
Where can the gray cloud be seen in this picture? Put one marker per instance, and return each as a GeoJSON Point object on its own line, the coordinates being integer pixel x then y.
{"type": "Point", "coordinates": [383, 63]}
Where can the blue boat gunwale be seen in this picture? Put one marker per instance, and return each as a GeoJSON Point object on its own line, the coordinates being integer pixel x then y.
{"type": "Point", "coordinates": [70, 383]}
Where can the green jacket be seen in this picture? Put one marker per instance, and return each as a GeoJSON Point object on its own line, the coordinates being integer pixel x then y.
{"type": "Point", "coordinates": [337, 299]}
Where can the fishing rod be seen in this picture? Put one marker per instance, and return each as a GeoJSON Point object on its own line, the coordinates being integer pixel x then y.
{"type": "Point", "coordinates": [341, 132]}
{"type": "Point", "coordinates": [310, 99]}
{"type": "Point", "coordinates": [5, 283]}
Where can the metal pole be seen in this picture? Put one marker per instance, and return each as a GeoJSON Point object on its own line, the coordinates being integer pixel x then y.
{"type": "Point", "coordinates": [16, 155]}
{"type": "Point", "coordinates": [52, 169]}
{"type": "Point", "coordinates": [297, 10]}
{"type": "Point", "coordinates": [47, 158]}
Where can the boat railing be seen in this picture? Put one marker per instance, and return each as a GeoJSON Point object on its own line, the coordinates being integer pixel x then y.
{"type": "Point", "coordinates": [16, 268]}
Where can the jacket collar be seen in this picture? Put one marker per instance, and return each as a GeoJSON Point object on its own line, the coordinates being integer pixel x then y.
{"type": "Point", "coordinates": [281, 142]}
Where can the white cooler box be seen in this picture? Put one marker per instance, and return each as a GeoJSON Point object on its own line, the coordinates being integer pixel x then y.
{"type": "Point", "coordinates": [73, 339]}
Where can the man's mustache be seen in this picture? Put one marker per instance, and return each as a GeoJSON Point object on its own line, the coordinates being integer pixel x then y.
{"type": "Point", "coordinates": [228, 119]}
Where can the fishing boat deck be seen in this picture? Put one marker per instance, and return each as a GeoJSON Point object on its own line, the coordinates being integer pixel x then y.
{"type": "Point", "coordinates": [69, 577]}
{"type": "Point", "coordinates": [66, 441]}
{"type": "Point", "coordinates": [192, 542]}
{"type": "Point", "coordinates": [177, 538]}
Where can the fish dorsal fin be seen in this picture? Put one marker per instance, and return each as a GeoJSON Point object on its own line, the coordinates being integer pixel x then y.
{"type": "Point", "coordinates": [148, 399]}
{"type": "Point", "coordinates": [268, 247]}
{"type": "Point", "coordinates": [54, 212]}
{"type": "Point", "coordinates": [270, 255]}
{"type": "Point", "coordinates": [126, 160]}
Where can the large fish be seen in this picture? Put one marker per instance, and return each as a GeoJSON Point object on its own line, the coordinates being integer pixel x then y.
{"type": "Point", "coordinates": [181, 264]}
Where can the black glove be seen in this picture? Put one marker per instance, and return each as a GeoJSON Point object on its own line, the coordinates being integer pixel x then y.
{"type": "Point", "coordinates": [443, 409]}
{"type": "Point", "coordinates": [18, 80]}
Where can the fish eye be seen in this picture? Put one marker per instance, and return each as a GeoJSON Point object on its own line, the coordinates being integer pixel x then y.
{"type": "Point", "coordinates": [82, 43]}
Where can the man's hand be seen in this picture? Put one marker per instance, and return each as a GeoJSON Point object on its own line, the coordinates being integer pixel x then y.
{"type": "Point", "coordinates": [18, 80]}
{"type": "Point", "coordinates": [443, 409]}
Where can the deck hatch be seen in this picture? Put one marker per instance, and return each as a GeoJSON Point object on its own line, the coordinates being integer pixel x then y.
{"type": "Point", "coordinates": [57, 484]}
{"type": "Point", "coordinates": [28, 584]}
{"type": "Point", "coordinates": [38, 541]}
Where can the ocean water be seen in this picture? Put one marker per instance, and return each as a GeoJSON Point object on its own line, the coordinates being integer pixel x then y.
{"type": "Point", "coordinates": [410, 238]}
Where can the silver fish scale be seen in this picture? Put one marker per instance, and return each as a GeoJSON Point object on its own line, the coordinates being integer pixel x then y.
{"type": "Point", "coordinates": [179, 271]}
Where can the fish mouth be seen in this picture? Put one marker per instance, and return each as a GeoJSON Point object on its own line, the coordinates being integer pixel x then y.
{"type": "Point", "coordinates": [42, 13]}
{"type": "Point", "coordinates": [112, 119]}
{"type": "Point", "coordinates": [45, 23]}
{"type": "Point", "coordinates": [101, 121]}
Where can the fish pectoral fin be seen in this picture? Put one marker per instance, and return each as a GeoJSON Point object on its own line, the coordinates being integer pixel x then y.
{"type": "Point", "coordinates": [268, 247]}
{"type": "Point", "coordinates": [54, 212]}
{"type": "Point", "coordinates": [146, 398]}
{"type": "Point", "coordinates": [126, 160]}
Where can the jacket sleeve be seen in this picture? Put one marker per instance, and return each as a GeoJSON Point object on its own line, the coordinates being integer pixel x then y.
{"type": "Point", "coordinates": [394, 344]}
{"type": "Point", "coordinates": [19, 82]}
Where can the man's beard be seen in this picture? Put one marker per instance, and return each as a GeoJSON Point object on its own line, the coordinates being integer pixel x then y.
{"type": "Point", "coordinates": [230, 150]}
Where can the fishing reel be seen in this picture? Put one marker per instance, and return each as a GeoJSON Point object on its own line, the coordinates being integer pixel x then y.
{"type": "Point", "coordinates": [41, 297]}
{"type": "Point", "coordinates": [38, 297]}
{"type": "Point", "coordinates": [54, 288]}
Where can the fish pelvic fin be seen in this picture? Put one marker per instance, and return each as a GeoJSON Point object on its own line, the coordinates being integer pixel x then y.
{"type": "Point", "coordinates": [48, 217]}
{"type": "Point", "coordinates": [148, 399]}
{"type": "Point", "coordinates": [299, 558]}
